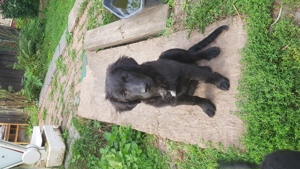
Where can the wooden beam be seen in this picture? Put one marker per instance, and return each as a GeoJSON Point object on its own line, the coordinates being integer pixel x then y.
{"type": "Point", "coordinates": [149, 22]}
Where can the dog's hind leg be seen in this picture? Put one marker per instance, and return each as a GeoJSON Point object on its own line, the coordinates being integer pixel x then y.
{"type": "Point", "coordinates": [207, 106]}
{"type": "Point", "coordinates": [210, 38]}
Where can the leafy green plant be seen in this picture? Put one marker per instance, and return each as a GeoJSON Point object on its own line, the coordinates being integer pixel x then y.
{"type": "Point", "coordinates": [30, 58]}
{"type": "Point", "coordinates": [112, 147]}
{"type": "Point", "coordinates": [33, 112]}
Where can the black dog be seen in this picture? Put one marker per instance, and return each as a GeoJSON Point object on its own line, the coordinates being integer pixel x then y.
{"type": "Point", "coordinates": [170, 80]}
{"type": "Point", "coordinates": [282, 159]}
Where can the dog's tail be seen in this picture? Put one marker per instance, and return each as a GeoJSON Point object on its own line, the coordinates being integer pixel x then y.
{"type": "Point", "coordinates": [210, 38]}
{"type": "Point", "coordinates": [237, 165]}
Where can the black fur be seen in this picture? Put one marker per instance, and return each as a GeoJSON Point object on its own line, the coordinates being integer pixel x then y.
{"type": "Point", "coordinates": [156, 82]}
{"type": "Point", "coordinates": [282, 159]}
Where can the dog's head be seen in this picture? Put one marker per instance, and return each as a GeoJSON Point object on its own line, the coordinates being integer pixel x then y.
{"type": "Point", "coordinates": [126, 84]}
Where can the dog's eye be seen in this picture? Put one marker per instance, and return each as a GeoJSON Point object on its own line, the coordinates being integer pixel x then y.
{"type": "Point", "coordinates": [125, 76]}
{"type": "Point", "coordinates": [125, 94]}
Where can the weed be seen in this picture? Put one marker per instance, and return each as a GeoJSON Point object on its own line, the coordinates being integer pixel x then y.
{"type": "Point", "coordinates": [61, 66]}
{"type": "Point", "coordinates": [169, 28]}
{"type": "Point", "coordinates": [83, 5]}
{"type": "Point", "coordinates": [61, 88]}
{"type": "Point", "coordinates": [55, 82]}
{"type": "Point", "coordinates": [51, 94]}
{"type": "Point", "coordinates": [65, 135]}
{"type": "Point", "coordinates": [44, 115]}
{"type": "Point", "coordinates": [73, 55]}
{"type": "Point", "coordinates": [33, 121]}
{"type": "Point", "coordinates": [107, 17]}
{"type": "Point", "coordinates": [93, 14]}
{"type": "Point", "coordinates": [69, 37]}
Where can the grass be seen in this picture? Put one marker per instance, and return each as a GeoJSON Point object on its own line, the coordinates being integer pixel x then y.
{"type": "Point", "coordinates": [57, 20]}
{"type": "Point", "coordinates": [269, 89]}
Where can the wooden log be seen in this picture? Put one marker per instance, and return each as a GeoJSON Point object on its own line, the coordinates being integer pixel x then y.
{"type": "Point", "coordinates": [149, 22]}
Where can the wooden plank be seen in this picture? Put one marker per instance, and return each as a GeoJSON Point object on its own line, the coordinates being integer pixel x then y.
{"type": "Point", "coordinates": [148, 23]}
{"type": "Point", "coordinates": [17, 133]}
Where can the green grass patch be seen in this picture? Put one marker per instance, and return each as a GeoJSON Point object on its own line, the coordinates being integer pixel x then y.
{"type": "Point", "coordinates": [38, 39]}
{"type": "Point", "coordinates": [56, 15]}
{"type": "Point", "coordinates": [202, 13]}
{"type": "Point", "coordinates": [269, 88]}
{"type": "Point", "coordinates": [34, 118]}
{"type": "Point", "coordinates": [105, 146]}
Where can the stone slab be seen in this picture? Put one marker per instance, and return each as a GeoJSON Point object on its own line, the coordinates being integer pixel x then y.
{"type": "Point", "coordinates": [73, 15]}
{"type": "Point", "coordinates": [150, 22]}
{"type": "Point", "coordinates": [52, 67]}
{"type": "Point", "coordinates": [182, 123]}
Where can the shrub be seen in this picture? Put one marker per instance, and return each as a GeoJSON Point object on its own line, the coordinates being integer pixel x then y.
{"type": "Point", "coordinates": [19, 8]}
{"type": "Point", "coordinates": [31, 59]}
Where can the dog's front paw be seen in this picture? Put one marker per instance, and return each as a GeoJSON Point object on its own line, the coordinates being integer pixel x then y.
{"type": "Point", "coordinates": [209, 108]}
{"type": "Point", "coordinates": [173, 93]}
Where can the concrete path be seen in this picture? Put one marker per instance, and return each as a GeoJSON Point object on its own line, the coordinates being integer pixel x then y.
{"type": "Point", "coordinates": [183, 123]}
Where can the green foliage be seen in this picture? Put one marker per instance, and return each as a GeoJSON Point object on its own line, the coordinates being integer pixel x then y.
{"type": "Point", "coordinates": [19, 8]}
{"type": "Point", "coordinates": [193, 157]}
{"type": "Point", "coordinates": [57, 13]}
{"type": "Point", "coordinates": [269, 88]}
{"type": "Point", "coordinates": [61, 66]}
{"type": "Point", "coordinates": [270, 97]}
{"type": "Point", "coordinates": [33, 111]}
{"type": "Point", "coordinates": [107, 17]}
{"type": "Point", "coordinates": [117, 147]}
{"type": "Point", "coordinates": [96, 12]}
{"type": "Point", "coordinates": [202, 13]}
{"type": "Point", "coordinates": [31, 59]}
{"type": "Point", "coordinates": [44, 115]}
{"type": "Point", "coordinates": [37, 43]}
{"type": "Point", "coordinates": [83, 5]}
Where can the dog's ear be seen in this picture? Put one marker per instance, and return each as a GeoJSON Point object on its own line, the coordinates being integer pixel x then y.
{"type": "Point", "coordinates": [125, 61]}
{"type": "Point", "coordinates": [123, 106]}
